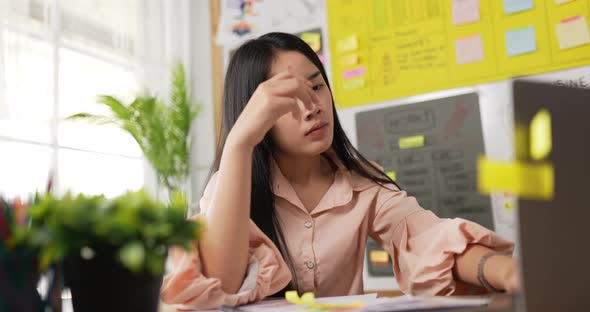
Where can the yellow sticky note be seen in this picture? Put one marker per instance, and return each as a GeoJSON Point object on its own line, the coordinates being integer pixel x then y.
{"type": "Point", "coordinates": [508, 205]}
{"type": "Point", "coordinates": [411, 142]}
{"type": "Point", "coordinates": [572, 32]}
{"type": "Point", "coordinates": [348, 44]}
{"type": "Point", "coordinates": [349, 60]}
{"type": "Point", "coordinates": [353, 84]}
{"type": "Point", "coordinates": [308, 300]}
{"type": "Point", "coordinates": [525, 180]}
{"type": "Point", "coordinates": [314, 40]}
{"type": "Point", "coordinates": [379, 256]}
{"type": "Point", "coordinates": [540, 135]}
{"type": "Point", "coordinates": [391, 175]}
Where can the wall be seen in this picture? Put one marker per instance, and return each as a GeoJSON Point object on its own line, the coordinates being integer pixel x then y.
{"type": "Point", "coordinates": [497, 120]}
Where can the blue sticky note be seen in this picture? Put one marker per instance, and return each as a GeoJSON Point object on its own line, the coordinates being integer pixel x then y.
{"type": "Point", "coordinates": [521, 41]}
{"type": "Point", "coordinates": [515, 6]}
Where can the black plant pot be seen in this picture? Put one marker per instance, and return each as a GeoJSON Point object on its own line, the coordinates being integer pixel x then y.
{"type": "Point", "coordinates": [18, 281]}
{"type": "Point", "coordinates": [104, 284]}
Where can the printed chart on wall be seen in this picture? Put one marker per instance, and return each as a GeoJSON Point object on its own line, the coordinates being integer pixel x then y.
{"type": "Point", "coordinates": [431, 149]}
{"type": "Point", "coordinates": [385, 49]}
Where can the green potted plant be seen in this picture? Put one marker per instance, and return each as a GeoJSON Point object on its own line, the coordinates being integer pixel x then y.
{"type": "Point", "coordinates": [162, 130]}
{"type": "Point", "coordinates": [112, 251]}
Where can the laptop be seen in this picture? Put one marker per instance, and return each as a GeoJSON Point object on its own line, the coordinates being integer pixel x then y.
{"type": "Point", "coordinates": [554, 234]}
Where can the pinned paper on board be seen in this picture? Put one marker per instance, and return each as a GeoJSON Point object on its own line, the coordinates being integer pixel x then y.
{"type": "Point", "coordinates": [354, 72]}
{"type": "Point", "coordinates": [411, 142]}
{"type": "Point", "coordinates": [314, 40]}
{"type": "Point", "coordinates": [469, 49]}
{"type": "Point", "coordinates": [349, 60]}
{"type": "Point", "coordinates": [572, 32]}
{"type": "Point", "coordinates": [348, 44]}
{"type": "Point", "coordinates": [465, 11]}
{"type": "Point", "coordinates": [521, 41]}
{"type": "Point", "coordinates": [353, 84]}
{"type": "Point", "coordinates": [516, 6]}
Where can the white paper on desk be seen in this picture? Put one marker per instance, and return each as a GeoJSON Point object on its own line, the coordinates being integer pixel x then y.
{"type": "Point", "coordinates": [411, 303]}
{"type": "Point", "coordinates": [284, 306]}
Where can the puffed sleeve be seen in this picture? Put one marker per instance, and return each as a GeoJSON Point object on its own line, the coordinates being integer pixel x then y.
{"type": "Point", "coordinates": [422, 245]}
{"type": "Point", "coordinates": [187, 288]}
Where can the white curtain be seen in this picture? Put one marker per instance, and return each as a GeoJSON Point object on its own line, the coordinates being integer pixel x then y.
{"type": "Point", "coordinates": [172, 31]}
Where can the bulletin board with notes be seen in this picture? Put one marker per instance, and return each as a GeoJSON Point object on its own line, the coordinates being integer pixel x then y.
{"type": "Point", "coordinates": [386, 49]}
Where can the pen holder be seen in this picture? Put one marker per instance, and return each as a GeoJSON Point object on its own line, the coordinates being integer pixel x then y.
{"type": "Point", "coordinates": [102, 283]}
{"type": "Point", "coordinates": [19, 275]}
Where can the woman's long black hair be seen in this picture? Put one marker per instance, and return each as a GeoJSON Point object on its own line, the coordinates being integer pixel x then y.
{"type": "Point", "coordinates": [250, 66]}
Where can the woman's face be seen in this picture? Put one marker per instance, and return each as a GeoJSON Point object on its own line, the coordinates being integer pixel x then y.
{"type": "Point", "coordinates": [309, 130]}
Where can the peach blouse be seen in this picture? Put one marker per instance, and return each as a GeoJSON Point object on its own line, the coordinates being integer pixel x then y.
{"type": "Point", "coordinates": [327, 245]}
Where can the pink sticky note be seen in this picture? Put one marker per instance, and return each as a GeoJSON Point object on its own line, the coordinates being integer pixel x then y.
{"type": "Point", "coordinates": [465, 11]}
{"type": "Point", "coordinates": [355, 72]}
{"type": "Point", "coordinates": [469, 49]}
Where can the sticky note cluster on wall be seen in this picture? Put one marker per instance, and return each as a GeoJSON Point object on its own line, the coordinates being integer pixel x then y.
{"type": "Point", "coordinates": [389, 49]}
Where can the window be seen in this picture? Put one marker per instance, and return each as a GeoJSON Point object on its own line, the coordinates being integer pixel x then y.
{"type": "Point", "coordinates": [55, 58]}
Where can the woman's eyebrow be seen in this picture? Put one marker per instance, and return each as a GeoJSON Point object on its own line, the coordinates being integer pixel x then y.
{"type": "Point", "coordinates": [312, 76]}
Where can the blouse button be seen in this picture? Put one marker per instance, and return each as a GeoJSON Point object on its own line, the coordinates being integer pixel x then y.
{"type": "Point", "coordinates": [310, 265]}
{"type": "Point", "coordinates": [308, 224]}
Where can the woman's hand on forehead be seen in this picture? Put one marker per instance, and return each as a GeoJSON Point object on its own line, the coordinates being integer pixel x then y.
{"type": "Point", "coordinates": [271, 100]}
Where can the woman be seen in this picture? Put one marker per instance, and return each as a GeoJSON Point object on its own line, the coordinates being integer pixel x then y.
{"type": "Point", "coordinates": [300, 214]}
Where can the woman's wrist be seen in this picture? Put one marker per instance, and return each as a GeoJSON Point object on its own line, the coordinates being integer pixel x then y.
{"type": "Point", "coordinates": [236, 142]}
{"type": "Point", "coordinates": [494, 270]}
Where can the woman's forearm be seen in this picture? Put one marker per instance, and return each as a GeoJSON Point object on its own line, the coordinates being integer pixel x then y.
{"type": "Point", "coordinates": [224, 246]}
{"type": "Point", "coordinates": [497, 270]}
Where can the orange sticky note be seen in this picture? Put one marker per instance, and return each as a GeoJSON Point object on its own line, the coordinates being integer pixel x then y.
{"type": "Point", "coordinates": [572, 32]}
{"type": "Point", "coordinates": [379, 257]}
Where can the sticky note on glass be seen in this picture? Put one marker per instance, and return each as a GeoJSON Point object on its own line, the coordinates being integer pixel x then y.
{"type": "Point", "coordinates": [411, 142]}
{"type": "Point", "coordinates": [391, 175]}
{"type": "Point", "coordinates": [469, 49]}
{"type": "Point", "coordinates": [525, 180]}
{"type": "Point", "coordinates": [348, 44]}
{"type": "Point", "coordinates": [521, 41]}
{"type": "Point", "coordinates": [540, 135]}
{"type": "Point", "coordinates": [572, 32]}
{"type": "Point", "coordinates": [349, 60]}
{"type": "Point", "coordinates": [354, 72]}
{"type": "Point", "coordinates": [353, 84]}
{"type": "Point", "coordinates": [515, 6]}
{"type": "Point", "coordinates": [465, 11]}
{"type": "Point", "coordinates": [313, 39]}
